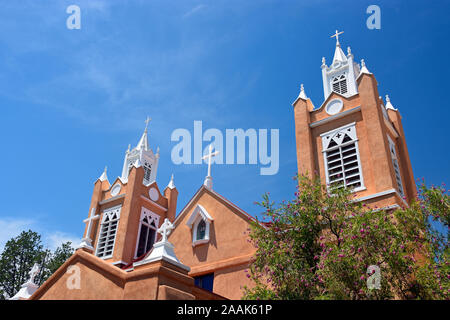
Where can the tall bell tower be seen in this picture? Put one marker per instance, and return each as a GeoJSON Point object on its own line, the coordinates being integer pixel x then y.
{"type": "Point", "coordinates": [354, 139]}
{"type": "Point", "coordinates": [124, 215]}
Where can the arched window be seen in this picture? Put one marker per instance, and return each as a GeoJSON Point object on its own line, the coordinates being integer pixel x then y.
{"type": "Point", "coordinates": [341, 155]}
{"type": "Point", "coordinates": [339, 84]}
{"type": "Point", "coordinates": [396, 167]}
{"type": "Point", "coordinates": [147, 232]}
{"type": "Point", "coordinates": [147, 171]}
{"type": "Point", "coordinates": [201, 230]}
{"type": "Point", "coordinates": [107, 236]}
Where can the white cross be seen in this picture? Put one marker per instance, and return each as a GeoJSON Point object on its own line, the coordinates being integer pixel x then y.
{"type": "Point", "coordinates": [209, 157]}
{"type": "Point", "coordinates": [33, 272]}
{"type": "Point", "coordinates": [165, 229]}
{"type": "Point", "coordinates": [337, 35]}
{"type": "Point", "coordinates": [89, 221]}
{"type": "Point", "coordinates": [147, 121]}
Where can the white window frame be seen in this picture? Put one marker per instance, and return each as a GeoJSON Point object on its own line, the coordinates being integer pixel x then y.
{"type": "Point", "coordinates": [109, 212]}
{"type": "Point", "coordinates": [199, 214]}
{"type": "Point", "coordinates": [326, 140]}
{"type": "Point", "coordinates": [338, 81]}
{"type": "Point", "coordinates": [396, 166]}
{"type": "Point", "coordinates": [151, 216]}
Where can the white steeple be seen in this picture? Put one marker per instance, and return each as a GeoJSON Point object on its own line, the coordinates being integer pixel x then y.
{"type": "Point", "coordinates": [302, 92]}
{"type": "Point", "coordinates": [171, 184]}
{"type": "Point", "coordinates": [141, 155]}
{"type": "Point", "coordinates": [103, 177]}
{"type": "Point", "coordinates": [340, 76]}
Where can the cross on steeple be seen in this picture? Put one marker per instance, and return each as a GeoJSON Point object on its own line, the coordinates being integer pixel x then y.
{"type": "Point", "coordinates": [337, 36]}
{"type": "Point", "coordinates": [146, 122]}
{"type": "Point", "coordinates": [165, 229]}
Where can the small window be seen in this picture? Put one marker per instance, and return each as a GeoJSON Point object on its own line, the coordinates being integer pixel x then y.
{"type": "Point", "coordinates": [201, 230]}
{"type": "Point", "coordinates": [205, 282]}
{"type": "Point", "coordinates": [339, 84]}
{"type": "Point", "coordinates": [147, 172]}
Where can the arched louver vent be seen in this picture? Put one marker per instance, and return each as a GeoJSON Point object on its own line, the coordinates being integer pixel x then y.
{"type": "Point", "coordinates": [108, 231]}
{"type": "Point", "coordinates": [339, 84]}
{"type": "Point", "coordinates": [341, 155]}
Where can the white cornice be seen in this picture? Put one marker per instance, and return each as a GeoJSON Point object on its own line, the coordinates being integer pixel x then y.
{"type": "Point", "coordinates": [112, 199]}
{"type": "Point", "coordinates": [337, 116]}
{"type": "Point", "coordinates": [154, 203]}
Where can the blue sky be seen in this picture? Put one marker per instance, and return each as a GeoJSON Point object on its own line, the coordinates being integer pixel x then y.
{"type": "Point", "coordinates": [72, 100]}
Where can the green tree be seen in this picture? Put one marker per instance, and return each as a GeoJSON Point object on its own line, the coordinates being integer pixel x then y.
{"type": "Point", "coordinates": [320, 245]}
{"type": "Point", "coordinates": [20, 254]}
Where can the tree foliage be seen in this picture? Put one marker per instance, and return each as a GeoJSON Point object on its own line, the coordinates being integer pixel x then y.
{"type": "Point", "coordinates": [321, 244]}
{"type": "Point", "coordinates": [20, 254]}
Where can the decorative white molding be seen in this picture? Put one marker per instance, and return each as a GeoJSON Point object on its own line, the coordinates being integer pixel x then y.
{"type": "Point", "coordinates": [112, 199]}
{"type": "Point", "coordinates": [337, 136]}
{"type": "Point", "coordinates": [198, 215]}
{"type": "Point", "coordinates": [150, 216]}
{"type": "Point", "coordinates": [332, 118]}
{"type": "Point", "coordinates": [153, 202]}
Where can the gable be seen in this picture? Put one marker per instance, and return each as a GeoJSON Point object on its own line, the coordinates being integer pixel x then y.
{"type": "Point", "coordinates": [228, 234]}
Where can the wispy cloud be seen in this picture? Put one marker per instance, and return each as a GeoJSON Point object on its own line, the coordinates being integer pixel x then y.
{"type": "Point", "coordinates": [193, 10]}
{"type": "Point", "coordinates": [12, 227]}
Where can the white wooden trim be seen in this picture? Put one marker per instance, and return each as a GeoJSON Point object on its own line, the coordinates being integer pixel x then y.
{"type": "Point", "coordinates": [153, 202]}
{"type": "Point", "coordinates": [336, 116]}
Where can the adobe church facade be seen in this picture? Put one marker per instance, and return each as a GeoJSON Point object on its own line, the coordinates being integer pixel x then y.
{"type": "Point", "coordinates": [136, 246]}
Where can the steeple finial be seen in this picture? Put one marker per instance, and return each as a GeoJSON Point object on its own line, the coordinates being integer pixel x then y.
{"type": "Point", "coordinates": [208, 179]}
{"type": "Point", "coordinates": [171, 184]}
{"type": "Point", "coordinates": [337, 37]}
{"type": "Point", "coordinates": [104, 177]}
{"type": "Point", "coordinates": [389, 104]}
{"type": "Point", "coordinates": [302, 92]}
{"type": "Point", "coordinates": [147, 121]}
{"type": "Point", "coordinates": [364, 68]}
{"type": "Point", "coordinates": [143, 142]}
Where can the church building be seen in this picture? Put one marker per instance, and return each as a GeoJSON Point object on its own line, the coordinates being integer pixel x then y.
{"type": "Point", "coordinates": [136, 246]}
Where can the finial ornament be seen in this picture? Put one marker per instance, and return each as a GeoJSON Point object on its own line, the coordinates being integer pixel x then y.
{"type": "Point", "coordinates": [146, 122]}
{"type": "Point", "coordinates": [165, 229]}
{"type": "Point", "coordinates": [349, 51]}
{"type": "Point", "coordinates": [208, 179]}
{"type": "Point", "coordinates": [363, 64]}
{"type": "Point", "coordinates": [387, 98]}
{"type": "Point", "coordinates": [302, 92]}
{"type": "Point", "coordinates": [337, 37]}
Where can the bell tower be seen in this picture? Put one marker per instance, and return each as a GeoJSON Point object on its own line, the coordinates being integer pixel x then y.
{"type": "Point", "coordinates": [354, 139]}
{"type": "Point", "coordinates": [124, 215]}
{"type": "Point", "coordinates": [142, 155]}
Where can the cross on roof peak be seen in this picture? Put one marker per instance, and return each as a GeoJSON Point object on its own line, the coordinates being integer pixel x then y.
{"type": "Point", "coordinates": [337, 36]}
{"type": "Point", "coordinates": [146, 122]}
